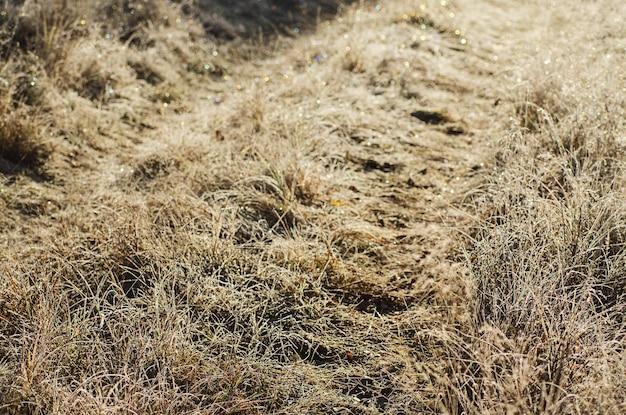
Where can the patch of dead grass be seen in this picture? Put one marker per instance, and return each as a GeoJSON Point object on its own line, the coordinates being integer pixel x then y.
{"type": "Point", "coordinates": [263, 227]}
{"type": "Point", "coordinates": [547, 259]}
{"type": "Point", "coordinates": [21, 141]}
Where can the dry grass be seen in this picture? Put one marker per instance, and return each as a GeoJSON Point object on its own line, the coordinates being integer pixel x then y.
{"type": "Point", "coordinates": [203, 215]}
{"type": "Point", "coordinates": [548, 254]}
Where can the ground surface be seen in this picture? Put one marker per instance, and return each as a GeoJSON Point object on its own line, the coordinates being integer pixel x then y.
{"type": "Point", "coordinates": [393, 208]}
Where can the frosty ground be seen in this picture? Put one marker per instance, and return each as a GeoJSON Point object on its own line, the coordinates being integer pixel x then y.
{"type": "Point", "coordinates": [307, 207]}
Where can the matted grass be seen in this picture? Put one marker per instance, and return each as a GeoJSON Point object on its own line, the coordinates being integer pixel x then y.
{"type": "Point", "coordinates": [397, 209]}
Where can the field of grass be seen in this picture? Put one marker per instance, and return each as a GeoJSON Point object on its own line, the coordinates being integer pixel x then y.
{"type": "Point", "coordinates": [311, 207]}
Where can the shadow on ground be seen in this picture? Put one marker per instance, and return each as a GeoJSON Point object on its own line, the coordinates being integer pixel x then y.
{"type": "Point", "coordinates": [225, 19]}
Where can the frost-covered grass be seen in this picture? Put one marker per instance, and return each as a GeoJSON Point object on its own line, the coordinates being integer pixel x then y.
{"type": "Point", "coordinates": [205, 211]}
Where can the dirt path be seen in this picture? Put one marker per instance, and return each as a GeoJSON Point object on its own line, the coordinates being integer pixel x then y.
{"type": "Point", "coordinates": [358, 140]}
{"type": "Point", "coordinates": [363, 135]}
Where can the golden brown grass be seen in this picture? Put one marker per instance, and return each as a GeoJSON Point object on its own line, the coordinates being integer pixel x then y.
{"type": "Point", "coordinates": [547, 254]}
{"type": "Point", "coordinates": [202, 215]}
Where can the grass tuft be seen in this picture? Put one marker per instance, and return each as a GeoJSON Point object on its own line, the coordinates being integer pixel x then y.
{"type": "Point", "coordinates": [547, 258]}
{"type": "Point", "coordinates": [21, 141]}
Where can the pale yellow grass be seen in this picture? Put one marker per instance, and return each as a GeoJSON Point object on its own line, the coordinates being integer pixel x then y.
{"type": "Point", "coordinates": [260, 225]}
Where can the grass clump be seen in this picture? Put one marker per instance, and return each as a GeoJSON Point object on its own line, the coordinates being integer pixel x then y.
{"type": "Point", "coordinates": [43, 28]}
{"type": "Point", "coordinates": [549, 257]}
{"type": "Point", "coordinates": [21, 142]}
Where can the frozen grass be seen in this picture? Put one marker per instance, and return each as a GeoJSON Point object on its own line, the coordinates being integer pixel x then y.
{"type": "Point", "coordinates": [547, 254]}
{"type": "Point", "coordinates": [201, 219]}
